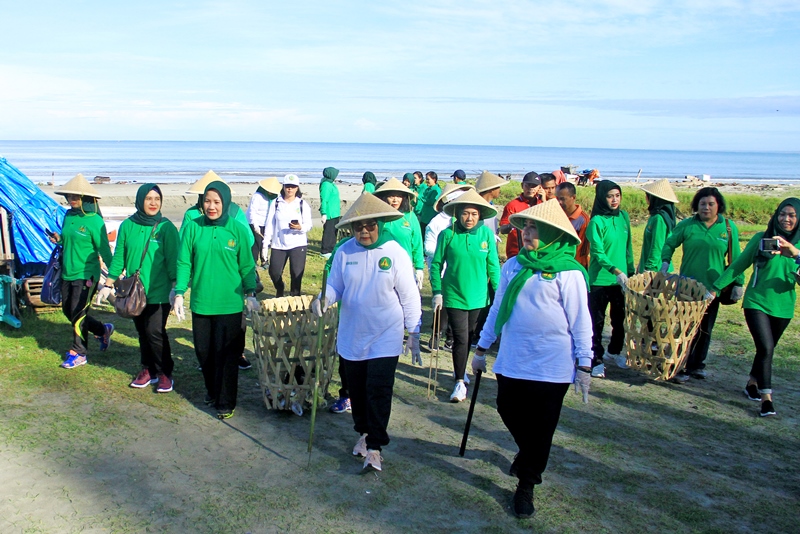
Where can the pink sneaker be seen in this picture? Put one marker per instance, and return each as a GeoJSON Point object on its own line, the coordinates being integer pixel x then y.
{"type": "Point", "coordinates": [164, 384]}
{"type": "Point", "coordinates": [143, 379]}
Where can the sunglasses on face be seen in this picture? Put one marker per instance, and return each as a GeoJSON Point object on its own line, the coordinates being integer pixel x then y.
{"type": "Point", "coordinates": [369, 226]}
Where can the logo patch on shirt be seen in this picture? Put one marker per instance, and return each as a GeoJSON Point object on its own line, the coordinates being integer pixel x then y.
{"type": "Point", "coordinates": [724, 235]}
{"type": "Point", "coordinates": [82, 229]}
{"type": "Point", "coordinates": [548, 276]}
{"type": "Point", "coordinates": [231, 245]}
{"type": "Point", "coordinates": [385, 263]}
{"type": "Point", "coordinates": [484, 245]}
{"type": "Point", "coordinates": [405, 223]}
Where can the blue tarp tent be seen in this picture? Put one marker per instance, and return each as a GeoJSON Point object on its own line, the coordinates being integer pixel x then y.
{"type": "Point", "coordinates": [31, 212]}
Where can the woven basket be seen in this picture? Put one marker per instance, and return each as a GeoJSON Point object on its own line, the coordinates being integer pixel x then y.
{"type": "Point", "coordinates": [662, 315]}
{"type": "Point", "coordinates": [285, 340]}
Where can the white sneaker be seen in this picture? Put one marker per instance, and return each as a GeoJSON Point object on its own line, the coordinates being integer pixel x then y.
{"type": "Point", "coordinates": [459, 393]}
{"type": "Point", "coordinates": [373, 461]}
{"type": "Point", "coordinates": [620, 359]}
{"type": "Point", "coordinates": [361, 446]}
{"type": "Point", "coordinates": [599, 371]}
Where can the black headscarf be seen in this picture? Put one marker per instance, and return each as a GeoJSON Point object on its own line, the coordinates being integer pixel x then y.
{"type": "Point", "coordinates": [225, 194]}
{"type": "Point", "coordinates": [664, 208]}
{"type": "Point", "coordinates": [369, 178]}
{"type": "Point", "coordinates": [600, 206]}
{"type": "Point", "coordinates": [773, 229]}
{"type": "Point", "coordinates": [141, 217]}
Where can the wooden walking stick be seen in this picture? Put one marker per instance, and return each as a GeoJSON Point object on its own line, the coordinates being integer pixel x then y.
{"type": "Point", "coordinates": [320, 335]}
{"type": "Point", "coordinates": [469, 414]}
{"type": "Point", "coordinates": [437, 319]}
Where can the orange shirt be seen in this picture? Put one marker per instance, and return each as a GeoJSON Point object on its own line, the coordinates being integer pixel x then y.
{"type": "Point", "coordinates": [580, 220]}
{"type": "Point", "coordinates": [514, 238]}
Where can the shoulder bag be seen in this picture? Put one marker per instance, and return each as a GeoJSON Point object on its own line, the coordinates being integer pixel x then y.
{"type": "Point", "coordinates": [130, 295]}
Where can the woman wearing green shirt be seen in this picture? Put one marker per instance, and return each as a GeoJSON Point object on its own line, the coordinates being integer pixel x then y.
{"type": "Point", "coordinates": [704, 238]}
{"type": "Point", "coordinates": [369, 182]}
{"type": "Point", "coordinates": [83, 236]}
{"type": "Point", "coordinates": [469, 250]}
{"type": "Point", "coordinates": [158, 272]}
{"type": "Point", "coordinates": [405, 231]}
{"type": "Point", "coordinates": [661, 205]}
{"type": "Point", "coordinates": [770, 295]}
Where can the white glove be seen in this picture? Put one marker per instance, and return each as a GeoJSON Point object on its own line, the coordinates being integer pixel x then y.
{"type": "Point", "coordinates": [324, 219]}
{"type": "Point", "coordinates": [582, 381]}
{"type": "Point", "coordinates": [320, 305]}
{"type": "Point", "coordinates": [419, 274]}
{"type": "Point", "coordinates": [172, 298]}
{"type": "Point", "coordinates": [103, 294]}
{"type": "Point", "coordinates": [437, 302]}
{"type": "Point", "coordinates": [252, 305]}
{"type": "Point", "coordinates": [180, 312]}
{"type": "Point", "coordinates": [622, 279]}
{"type": "Point", "coordinates": [664, 267]}
{"type": "Point", "coordinates": [478, 363]}
{"type": "Point", "coordinates": [737, 293]}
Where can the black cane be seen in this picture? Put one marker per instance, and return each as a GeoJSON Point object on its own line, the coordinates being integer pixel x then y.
{"type": "Point", "coordinates": [469, 414]}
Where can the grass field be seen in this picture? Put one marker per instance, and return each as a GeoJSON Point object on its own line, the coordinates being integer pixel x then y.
{"type": "Point", "coordinates": [82, 452]}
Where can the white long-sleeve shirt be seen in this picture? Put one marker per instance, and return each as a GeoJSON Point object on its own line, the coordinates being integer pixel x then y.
{"type": "Point", "coordinates": [258, 209]}
{"type": "Point", "coordinates": [277, 233]}
{"type": "Point", "coordinates": [378, 296]}
{"type": "Point", "coordinates": [432, 231]}
{"type": "Point", "coordinates": [548, 330]}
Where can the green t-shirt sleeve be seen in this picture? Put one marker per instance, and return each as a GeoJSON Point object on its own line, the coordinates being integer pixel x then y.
{"type": "Point", "coordinates": [418, 259]}
{"type": "Point", "coordinates": [171, 244]}
{"type": "Point", "coordinates": [438, 259]}
{"type": "Point", "coordinates": [597, 249]}
{"type": "Point", "coordinates": [740, 264]}
{"type": "Point", "coordinates": [118, 262]}
{"type": "Point", "coordinates": [629, 247]}
{"type": "Point", "coordinates": [493, 261]}
{"type": "Point", "coordinates": [673, 241]}
{"type": "Point", "coordinates": [184, 262]}
{"type": "Point", "coordinates": [736, 251]}
{"type": "Point", "coordinates": [100, 240]}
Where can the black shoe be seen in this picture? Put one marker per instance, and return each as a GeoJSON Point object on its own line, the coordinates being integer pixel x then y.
{"type": "Point", "coordinates": [767, 409]}
{"type": "Point", "coordinates": [448, 344]}
{"type": "Point", "coordinates": [523, 502]}
{"type": "Point", "coordinates": [751, 392]}
{"type": "Point", "coordinates": [681, 378]}
{"type": "Point", "coordinates": [699, 374]}
{"type": "Point", "coordinates": [208, 400]}
{"type": "Point", "coordinates": [225, 413]}
{"type": "Point", "coordinates": [244, 364]}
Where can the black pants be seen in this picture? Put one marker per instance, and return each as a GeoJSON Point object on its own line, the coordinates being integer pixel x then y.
{"type": "Point", "coordinates": [530, 410]}
{"type": "Point", "coordinates": [702, 340]}
{"type": "Point", "coordinates": [766, 331]}
{"type": "Point", "coordinates": [344, 391]}
{"type": "Point", "coordinates": [258, 234]}
{"type": "Point", "coordinates": [599, 299]}
{"type": "Point", "coordinates": [329, 235]}
{"type": "Point", "coordinates": [153, 340]}
{"type": "Point", "coordinates": [444, 326]}
{"type": "Point", "coordinates": [371, 383]}
{"type": "Point", "coordinates": [297, 266]}
{"type": "Point", "coordinates": [483, 315]}
{"type": "Point", "coordinates": [463, 324]}
{"type": "Point", "coordinates": [217, 344]}
{"type": "Point", "coordinates": [76, 296]}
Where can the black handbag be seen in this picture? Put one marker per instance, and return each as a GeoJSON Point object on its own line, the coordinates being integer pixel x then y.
{"type": "Point", "coordinates": [130, 295]}
{"type": "Point", "coordinates": [51, 285]}
{"type": "Point", "coordinates": [724, 296]}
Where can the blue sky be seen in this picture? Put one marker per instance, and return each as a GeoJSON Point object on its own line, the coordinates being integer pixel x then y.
{"type": "Point", "coordinates": [696, 74]}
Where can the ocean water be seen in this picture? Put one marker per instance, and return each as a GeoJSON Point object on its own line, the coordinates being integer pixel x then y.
{"type": "Point", "coordinates": [176, 161]}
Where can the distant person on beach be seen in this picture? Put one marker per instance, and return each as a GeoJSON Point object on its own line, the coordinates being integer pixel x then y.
{"type": "Point", "coordinates": [330, 208]}
{"type": "Point", "coordinates": [611, 249]}
{"type": "Point", "coordinates": [408, 182]}
{"type": "Point", "coordinates": [706, 238]}
{"type": "Point", "coordinates": [531, 188]}
{"type": "Point", "coordinates": [262, 199]}
{"type": "Point", "coordinates": [661, 202]}
{"type": "Point", "coordinates": [288, 223]}
{"type": "Point", "coordinates": [549, 184]}
{"type": "Point", "coordinates": [542, 313]}
{"type": "Point", "coordinates": [567, 196]}
{"type": "Point", "coordinates": [215, 258]}
{"type": "Point", "coordinates": [148, 242]}
{"type": "Point", "coordinates": [419, 188]}
{"type": "Point", "coordinates": [428, 200]}
{"type": "Point", "coordinates": [770, 295]}
{"type": "Point", "coordinates": [84, 239]}
{"type": "Point", "coordinates": [372, 279]}
{"type": "Point", "coordinates": [459, 177]}
{"type": "Point", "coordinates": [469, 252]}
{"type": "Point", "coordinates": [369, 182]}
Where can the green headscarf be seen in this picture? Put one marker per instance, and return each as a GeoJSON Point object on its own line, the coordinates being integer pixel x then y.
{"type": "Point", "coordinates": [383, 237]}
{"type": "Point", "coordinates": [663, 208]}
{"type": "Point", "coordinates": [600, 206]}
{"type": "Point", "coordinates": [140, 217]}
{"type": "Point", "coordinates": [225, 194]}
{"type": "Point", "coordinates": [558, 254]}
{"type": "Point", "coordinates": [369, 178]}
{"type": "Point", "coordinates": [773, 229]}
{"type": "Point", "coordinates": [329, 174]}
{"type": "Point", "coordinates": [410, 177]}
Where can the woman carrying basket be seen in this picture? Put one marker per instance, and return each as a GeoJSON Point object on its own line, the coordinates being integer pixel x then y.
{"type": "Point", "coordinates": [770, 294]}
{"type": "Point", "coordinates": [661, 201]}
{"type": "Point", "coordinates": [148, 242]}
{"type": "Point", "coordinates": [541, 310]}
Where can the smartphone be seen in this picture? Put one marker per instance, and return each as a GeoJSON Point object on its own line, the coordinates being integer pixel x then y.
{"type": "Point", "coordinates": [769, 245]}
{"type": "Point", "coordinates": [48, 232]}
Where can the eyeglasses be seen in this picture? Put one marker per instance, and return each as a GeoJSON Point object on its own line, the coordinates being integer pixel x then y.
{"type": "Point", "coordinates": [370, 226]}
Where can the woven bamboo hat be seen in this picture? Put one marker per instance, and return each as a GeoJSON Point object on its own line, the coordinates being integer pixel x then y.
{"type": "Point", "coordinates": [270, 185]}
{"type": "Point", "coordinates": [199, 187]}
{"type": "Point", "coordinates": [395, 185]}
{"type": "Point", "coordinates": [471, 198]}
{"type": "Point", "coordinates": [662, 190]}
{"type": "Point", "coordinates": [449, 193]}
{"type": "Point", "coordinates": [368, 206]}
{"type": "Point", "coordinates": [550, 213]}
{"type": "Point", "coordinates": [78, 186]}
{"type": "Point", "coordinates": [488, 181]}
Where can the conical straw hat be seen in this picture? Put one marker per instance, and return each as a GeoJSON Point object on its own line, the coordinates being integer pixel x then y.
{"type": "Point", "coordinates": [199, 187]}
{"type": "Point", "coordinates": [395, 185]}
{"type": "Point", "coordinates": [78, 186]}
{"type": "Point", "coordinates": [488, 181]}
{"type": "Point", "coordinates": [550, 213]}
{"type": "Point", "coordinates": [368, 206]}
{"type": "Point", "coordinates": [471, 197]}
{"type": "Point", "coordinates": [271, 185]}
{"type": "Point", "coordinates": [662, 190]}
{"type": "Point", "coordinates": [449, 193]}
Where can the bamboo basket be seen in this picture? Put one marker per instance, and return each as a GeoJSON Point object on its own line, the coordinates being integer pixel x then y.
{"type": "Point", "coordinates": [287, 363]}
{"type": "Point", "coordinates": [662, 315]}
